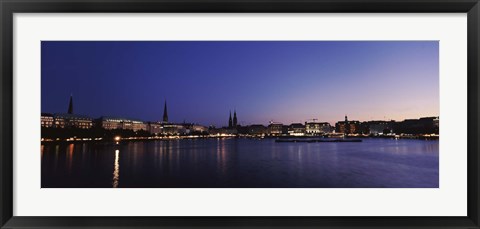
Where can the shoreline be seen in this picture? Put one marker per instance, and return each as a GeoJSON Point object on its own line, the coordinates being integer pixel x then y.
{"type": "Point", "coordinates": [170, 138]}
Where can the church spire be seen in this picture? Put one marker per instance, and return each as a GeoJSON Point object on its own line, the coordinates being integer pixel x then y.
{"type": "Point", "coordinates": [165, 114]}
{"type": "Point", "coordinates": [230, 120]}
{"type": "Point", "coordinates": [70, 105]}
{"type": "Point", "coordinates": [234, 119]}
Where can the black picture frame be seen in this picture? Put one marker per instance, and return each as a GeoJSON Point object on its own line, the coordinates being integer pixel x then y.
{"type": "Point", "coordinates": [9, 7]}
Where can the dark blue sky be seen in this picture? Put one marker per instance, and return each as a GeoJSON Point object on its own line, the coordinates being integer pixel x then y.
{"type": "Point", "coordinates": [285, 81]}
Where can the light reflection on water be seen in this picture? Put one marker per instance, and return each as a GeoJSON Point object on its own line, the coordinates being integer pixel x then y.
{"type": "Point", "coordinates": [70, 156]}
{"type": "Point", "coordinates": [116, 170]}
{"type": "Point", "coordinates": [242, 163]}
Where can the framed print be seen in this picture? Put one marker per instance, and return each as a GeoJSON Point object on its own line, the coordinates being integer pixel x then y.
{"type": "Point", "coordinates": [232, 114]}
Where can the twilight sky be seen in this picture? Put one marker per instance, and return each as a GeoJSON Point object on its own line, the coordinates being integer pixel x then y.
{"type": "Point", "coordinates": [283, 81]}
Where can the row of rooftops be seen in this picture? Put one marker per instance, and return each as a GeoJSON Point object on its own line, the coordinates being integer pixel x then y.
{"type": "Point", "coordinates": [123, 119]}
{"type": "Point", "coordinates": [102, 118]}
{"type": "Point", "coordinates": [86, 117]}
{"type": "Point", "coordinates": [67, 116]}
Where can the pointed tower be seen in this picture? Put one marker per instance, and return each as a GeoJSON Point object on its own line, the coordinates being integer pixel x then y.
{"type": "Point", "coordinates": [165, 114]}
{"type": "Point", "coordinates": [347, 125]}
{"type": "Point", "coordinates": [70, 105]}
{"type": "Point", "coordinates": [230, 120]}
{"type": "Point", "coordinates": [234, 119]}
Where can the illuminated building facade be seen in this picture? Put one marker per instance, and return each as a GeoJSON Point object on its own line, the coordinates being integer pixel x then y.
{"type": "Point", "coordinates": [113, 123]}
{"type": "Point", "coordinates": [47, 120]}
{"type": "Point", "coordinates": [199, 128]}
{"type": "Point", "coordinates": [110, 123]}
{"type": "Point", "coordinates": [138, 125]}
{"type": "Point", "coordinates": [378, 127]}
{"type": "Point", "coordinates": [348, 127]}
{"type": "Point", "coordinates": [275, 129]}
{"type": "Point", "coordinates": [66, 120]}
{"type": "Point", "coordinates": [317, 128]}
{"type": "Point", "coordinates": [296, 129]}
{"type": "Point", "coordinates": [219, 131]}
{"type": "Point", "coordinates": [191, 128]}
{"type": "Point", "coordinates": [154, 128]}
{"type": "Point", "coordinates": [72, 121]}
{"type": "Point", "coordinates": [173, 129]}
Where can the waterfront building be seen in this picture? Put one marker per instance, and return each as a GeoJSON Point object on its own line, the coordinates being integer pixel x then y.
{"type": "Point", "coordinates": [154, 128]}
{"type": "Point", "coordinates": [173, 129]}
{"type": "Point", "coordinates": [62, 120]}
{"type": "Point", "coordinates": [66, 120]}
{"type": "Point", "coordinates": [110, 123]}
{"type": "Point", "coordinates": [222, 131]}
{"type": "Point", "coordinates": [47, 120]}
{"type": "Point", "coordinates": [430, 125]}
{"type": "Point", "coordinates": [138, 125]}
{"type": "Point", "coordinates": [233, 131]}
{"type": "Point", "coordinates": [242, 129]}
{"type": "Point", "coordinates": [275, 129]}
{"type": "Point", "coordinates": [296, 129]}
{"type": "Point", "coordinates": [191, 128]}
{"type": "Point", "coordinates": [195, 128]}
{"type": "Point", "coordinates": [348, 127]}
{"type": "Point", "coordinates": [317, 128]}
{"type": "Point", "coordinates": [217, 131]}
{"type": "Point", "coordinates": [425, 125]}
{"type": "Point", "coordinates": [378, 127]}
{"type": "Point", "coordinates": [113, 123]}
{"type": "Point", "coordinates": [354, 127]}
{"type": "Point", "coordinates": [436, 123]}
{"type": "Point", "coordinates": [257, 130]}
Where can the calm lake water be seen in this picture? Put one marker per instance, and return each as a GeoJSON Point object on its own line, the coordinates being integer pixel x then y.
{"type": "Point", "coordinates": [241, 163]}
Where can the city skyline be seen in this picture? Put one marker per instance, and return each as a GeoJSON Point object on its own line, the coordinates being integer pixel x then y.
{"type": "Point", "coordinates": [285, 81]}
{"type": "Point", "coordinates": [230, 123]}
